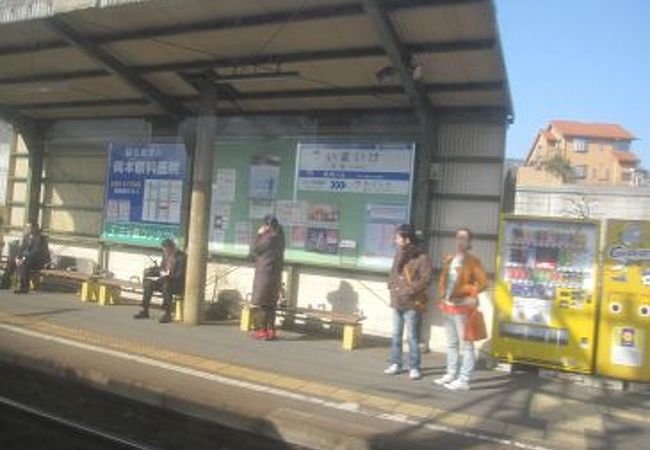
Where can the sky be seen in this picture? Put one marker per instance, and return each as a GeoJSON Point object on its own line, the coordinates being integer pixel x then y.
{"type": "Point", "coordinates": [584, 60]}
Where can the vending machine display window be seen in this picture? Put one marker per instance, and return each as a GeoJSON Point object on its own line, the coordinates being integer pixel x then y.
{"type": "Point", "coordinates": [547, 291]}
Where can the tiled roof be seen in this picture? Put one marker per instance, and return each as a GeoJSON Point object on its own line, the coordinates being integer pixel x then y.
{"type": "Point", "coordinates": [593, 130]}
{"type": "Point", "coordinates": [625, 157]}
{"type": "Point", "coordinates": [549, 136]}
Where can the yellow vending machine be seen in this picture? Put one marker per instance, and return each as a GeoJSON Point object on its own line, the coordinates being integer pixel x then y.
{"type": "Point", "coordinates": [624, 327]}
{"type": "Point", "coordinates": [546, 299]}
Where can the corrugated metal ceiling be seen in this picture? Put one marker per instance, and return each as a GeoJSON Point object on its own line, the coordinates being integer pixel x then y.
{"type": "Point", "coordinates": [330, 43]}
{"type": "Point", "coordinates": [249, 41]}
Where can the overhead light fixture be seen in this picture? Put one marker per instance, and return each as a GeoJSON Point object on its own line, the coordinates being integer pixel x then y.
{"type": "Point", "coordinates": [388, 73]}
{"type": "Point", "coordinates": [385, 73]}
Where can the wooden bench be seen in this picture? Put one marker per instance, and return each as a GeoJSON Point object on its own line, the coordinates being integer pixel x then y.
{"type": "Point", "coordinates": [108, 291]}
{"type": "Point", "coordinates": [76, 279]}
{"type": "Point", "coordinates": [69, 271]}
{"type": "Point", "coordinates": [352, 323]}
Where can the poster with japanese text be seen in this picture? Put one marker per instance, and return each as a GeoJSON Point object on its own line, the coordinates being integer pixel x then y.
{"type": "Point", "coordinates": [144, 193]}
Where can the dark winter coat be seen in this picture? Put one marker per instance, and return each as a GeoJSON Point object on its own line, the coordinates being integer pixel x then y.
{"type": "Point", "coordinates": [35, 250]}
{"type": "Point", "coordinates": [177, 269]}
{"type": "Point", "coordinates": [405, 294]}
{"type": "Point", "coordinates": [268, 251]}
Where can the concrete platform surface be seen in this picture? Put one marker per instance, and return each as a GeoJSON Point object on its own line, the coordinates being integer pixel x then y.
{"type": "Point", "coordinates": [304, 388]}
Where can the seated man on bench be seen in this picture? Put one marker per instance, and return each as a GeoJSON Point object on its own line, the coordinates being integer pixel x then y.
{"type": "Point", "coordinates": [32, 255]}
{"type": "Point", "coordinates": [168, 279]}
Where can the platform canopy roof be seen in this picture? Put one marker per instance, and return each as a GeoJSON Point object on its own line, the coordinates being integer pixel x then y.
{"type": "Point", "coordinates": [120, 58]}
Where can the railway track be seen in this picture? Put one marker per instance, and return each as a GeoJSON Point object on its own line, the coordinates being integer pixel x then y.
{"type": "Point", "coordinates": [25, 427]}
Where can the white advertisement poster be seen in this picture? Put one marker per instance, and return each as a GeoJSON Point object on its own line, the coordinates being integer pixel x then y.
{"type": "Point", "coordinates": [224, 187]}
{"type": "Point", "coordinates": [359, 168]}
{"type": "Point", "coordinates": [243, 234]}
{"type": "Point", "coordinates": [162, 200]}
{"type": "Point", "coordinates": [264, 177]}
{"type": "Point", "coordinates": [291, 212]}
{"type": "Point", "coordinates": [219, 222]}
{"type": "Point", "coordinates": [118, 210]}
{"type": "Point", "coordinates": [386, 212]}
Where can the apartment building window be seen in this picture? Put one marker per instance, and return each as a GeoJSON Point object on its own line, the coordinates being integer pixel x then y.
{"type": "Point", "coordinates": [594, 174]}
{"type": "Point", "coordinates": [622, 146]}
{"type": "Point", "coordinates": [580, 145]}
{"type": "Point", "coordinates": [580, 172]}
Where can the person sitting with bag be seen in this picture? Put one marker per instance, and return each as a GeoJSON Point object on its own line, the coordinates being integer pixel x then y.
{"type": "Point", "coordinates": [168, 279]}
{"type": "Point", "coordinates": [31, 255]}
{"type": "Point", "coordinates": [461, 280]}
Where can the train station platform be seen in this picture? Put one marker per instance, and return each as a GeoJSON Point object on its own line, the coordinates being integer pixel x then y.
{"type": "Point", "coordinates": [304, 389]}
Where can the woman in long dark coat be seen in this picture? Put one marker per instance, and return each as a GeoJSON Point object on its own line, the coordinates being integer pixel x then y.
{"type": "Point", "coordinates": [268, 251]}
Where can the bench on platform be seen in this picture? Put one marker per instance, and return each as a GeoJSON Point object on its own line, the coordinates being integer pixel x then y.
{"type": "Point", "coordinates": [108, 291]}
{"type": "Point", "coordinates": [69, 272]}
{"type": "Point", "coordinates": [352, 323]}
{"type": "Point", "coordinates": [70, 278]}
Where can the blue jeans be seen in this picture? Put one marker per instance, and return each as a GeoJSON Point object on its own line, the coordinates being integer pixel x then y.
{"type": "Point", "coordinates": [412, 320]}
{"type": "Point", "coordinates": [460, 353]}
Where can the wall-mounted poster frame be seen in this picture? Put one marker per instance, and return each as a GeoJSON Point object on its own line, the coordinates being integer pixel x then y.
{"type": "Point", "coordinates": [369, 183]}
{"type": "Point", "coordinates": [144, 198]}
{"type": "Point", "coordinates": [332, 215]}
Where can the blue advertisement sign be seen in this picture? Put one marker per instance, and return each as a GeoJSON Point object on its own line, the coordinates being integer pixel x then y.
{"type": "Point", "coordinates": [144, 192]}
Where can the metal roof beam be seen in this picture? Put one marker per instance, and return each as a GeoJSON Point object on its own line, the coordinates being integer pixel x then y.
{"type": "Point", "coordinates": [54, 76]}
{"type": "Point", "coordinates": [370, 90]}
{"type": "Point", "coordinates": [498, 113]}
{"type": "Point", "coordinates": [20, 121]}
{"type": "Point", "coordinates": [82, 104]}
{"type": "Point", "coordinates": [398, 56]}
{"type": "Point", "coordinates": [269, 95]}
{"type": "Point", "coordinates": [112, 64]}
{"type": "Point", "coordinates": [281, 58]}
{"type": "Point", "coordinates": [320, 55]}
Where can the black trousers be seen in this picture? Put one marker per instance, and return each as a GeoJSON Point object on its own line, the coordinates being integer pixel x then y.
{"type": "Point", "coordinates": [22, 272]}
{"type": "Point", "coordinates": [166, 286]}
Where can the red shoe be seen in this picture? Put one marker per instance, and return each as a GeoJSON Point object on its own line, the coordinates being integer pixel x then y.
{"type": "Point", "coordinates": [260, 335]}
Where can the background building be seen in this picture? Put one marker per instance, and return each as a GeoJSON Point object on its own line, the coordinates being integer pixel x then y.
{"type": "Point", "coordinates": [567, 152]}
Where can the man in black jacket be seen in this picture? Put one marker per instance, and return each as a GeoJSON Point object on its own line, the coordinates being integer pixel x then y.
{"type": "Point", "coordinates": [33, 254]}
{"type": "Point", "coordinates": [169, 280]}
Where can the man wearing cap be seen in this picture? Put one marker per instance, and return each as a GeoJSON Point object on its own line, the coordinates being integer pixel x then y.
{"type": "Point", "coordinates": [169, 281]}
